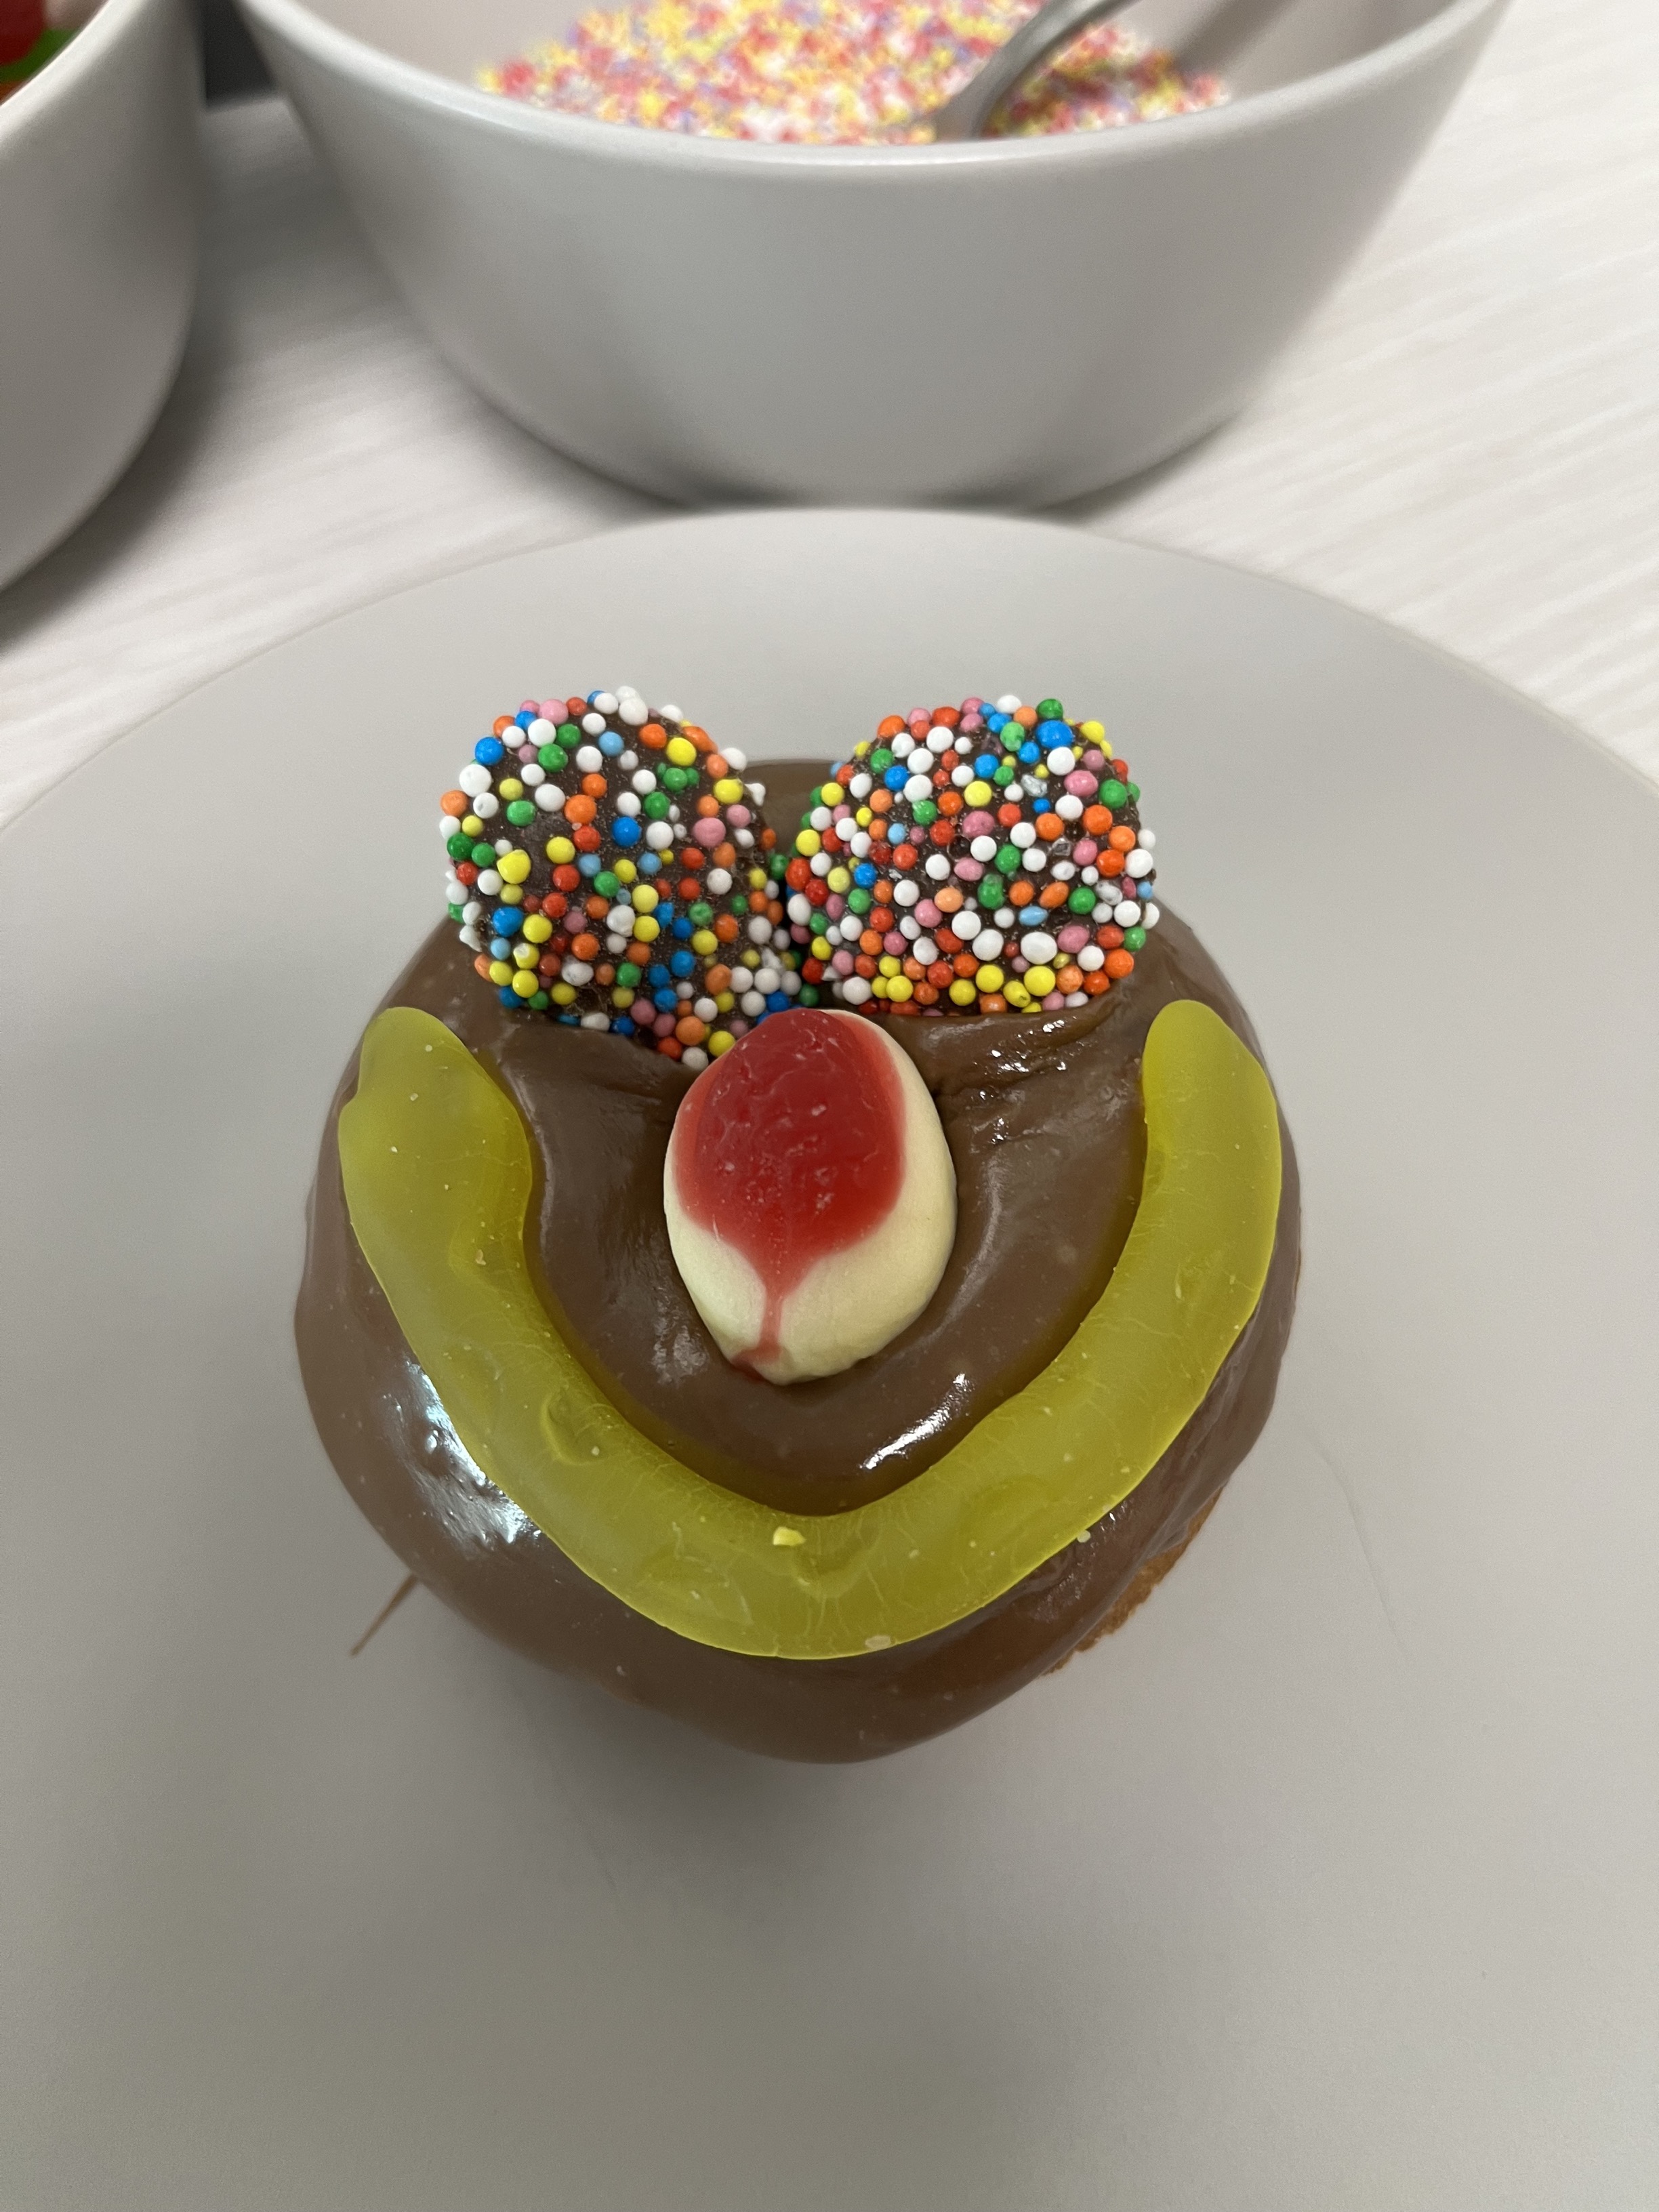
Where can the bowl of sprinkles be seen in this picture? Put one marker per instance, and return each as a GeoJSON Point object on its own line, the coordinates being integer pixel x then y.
{"type": "Point", "coordinates": [708, 247]}
{"type": "Point", "coordinates": [98, 215]}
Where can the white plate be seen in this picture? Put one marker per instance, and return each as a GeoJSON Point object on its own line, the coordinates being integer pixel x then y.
{"type": "Point", "coordinates": [1329, 1880]}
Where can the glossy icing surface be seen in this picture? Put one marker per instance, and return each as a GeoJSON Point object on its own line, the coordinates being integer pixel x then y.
{"type": "Point", "coordinates": [438, 1174]}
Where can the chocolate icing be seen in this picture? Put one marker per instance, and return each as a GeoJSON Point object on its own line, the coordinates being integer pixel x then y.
{"type": "Point", "coordinates": [1042, 1116]}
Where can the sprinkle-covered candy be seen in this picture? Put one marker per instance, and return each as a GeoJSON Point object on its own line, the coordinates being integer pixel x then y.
{"type": "Point", "coordinates": [983, 858]}
{"type": "Point", "coordinates": [609, 867]}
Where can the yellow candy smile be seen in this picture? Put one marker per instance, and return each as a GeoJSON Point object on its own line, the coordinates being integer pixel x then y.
{"type": "Point", "coordinates": [438, 1177]}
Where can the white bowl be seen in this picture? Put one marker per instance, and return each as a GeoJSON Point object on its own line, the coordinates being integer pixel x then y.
{"type": "Point", "coordinates": [1019, 321]}
{"type": "Point", "coordinates": [98, 235]}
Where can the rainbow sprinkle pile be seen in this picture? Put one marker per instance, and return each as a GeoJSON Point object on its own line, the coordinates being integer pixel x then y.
{"type": "Point", "coordinates": [836, 72]}
{"type": "Point", "coordinates": [982, 858]}
{"type": "Point", "coordinates": [608, 867]}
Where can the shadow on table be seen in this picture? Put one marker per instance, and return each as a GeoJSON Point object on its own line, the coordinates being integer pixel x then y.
{"type": "Point", "coordinates": [231, 67]}
{"type": "Point", "coordinates": [137, 503]}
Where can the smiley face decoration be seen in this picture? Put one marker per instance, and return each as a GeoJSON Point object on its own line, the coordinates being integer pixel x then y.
{"type": "Point", "coordinates": [783, 1387]}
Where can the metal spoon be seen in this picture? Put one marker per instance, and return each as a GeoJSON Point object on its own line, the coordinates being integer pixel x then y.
{"type": "Point", "coordinates": [1054, 24]}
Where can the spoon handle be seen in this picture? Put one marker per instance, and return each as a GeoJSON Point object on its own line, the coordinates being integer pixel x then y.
{"type": "Point", "coordinates": [1054, 24]}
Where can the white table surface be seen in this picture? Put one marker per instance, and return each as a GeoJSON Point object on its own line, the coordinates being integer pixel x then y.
{"type": "Point", "coordinates": [1465, 442]}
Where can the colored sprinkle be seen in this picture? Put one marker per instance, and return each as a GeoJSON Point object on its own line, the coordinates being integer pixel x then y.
{"type": "Point", "coordinates": [609, 868]}
{"type": "Point", "coordinates": [984, 859]}
{"type": "Point", "coordinates": [32, 33]}
{"type": "Point", "coordinates": [836, 72]}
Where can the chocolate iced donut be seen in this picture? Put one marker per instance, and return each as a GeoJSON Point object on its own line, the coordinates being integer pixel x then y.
{"type": "Point", "coordinates": [1041, 1113]}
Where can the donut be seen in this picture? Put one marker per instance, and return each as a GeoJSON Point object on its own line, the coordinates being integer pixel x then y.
{"type": "Point", "coordinates": [807, 1285]}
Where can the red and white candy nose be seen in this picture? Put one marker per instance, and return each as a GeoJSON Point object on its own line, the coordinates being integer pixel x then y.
{"type": "Point", "coordinates": [811, 1197]}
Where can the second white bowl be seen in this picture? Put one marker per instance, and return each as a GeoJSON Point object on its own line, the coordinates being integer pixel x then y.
{"type": "Point", "coordinates": [98, 234]}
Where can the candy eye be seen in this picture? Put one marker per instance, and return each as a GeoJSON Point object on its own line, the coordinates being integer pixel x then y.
{"type": "Point", "coordinates": [691, 821]}
{"type": "Point", "coordinates": [1022, 834]}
